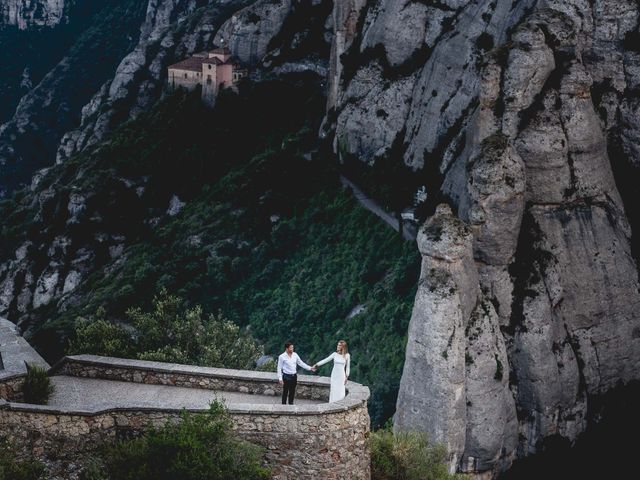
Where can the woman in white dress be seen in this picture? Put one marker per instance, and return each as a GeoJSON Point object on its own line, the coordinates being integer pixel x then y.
{"type": "Point", "coordinates": [340, 373]}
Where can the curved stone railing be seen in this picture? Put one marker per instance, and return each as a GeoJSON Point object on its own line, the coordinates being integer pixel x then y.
{"type": "Point", "coordinates": [306, 441]}
{"type": "Point", "coordinates": [221, 379]}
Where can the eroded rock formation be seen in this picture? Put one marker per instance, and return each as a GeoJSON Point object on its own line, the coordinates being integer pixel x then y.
{"type": "Point", "coordinates": [27, 14]}
{"type": "Point", "coordinates": [557, 314]}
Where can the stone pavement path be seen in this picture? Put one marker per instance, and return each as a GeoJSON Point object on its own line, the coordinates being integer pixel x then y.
{"type": "Point", "coordinates": [87, 393]}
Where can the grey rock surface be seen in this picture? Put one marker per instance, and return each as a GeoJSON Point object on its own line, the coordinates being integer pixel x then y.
{"type": "Point", "coordinates": [442, 51]}
{"type": "Point", "coordinates": [399, 27]}
{"type": "Point", "coordinates": [345, 17]}
{"type": "Point", "coordinates": [373, 115]}
{"type": "Point", "coordinates": [496, 200]}
{"type": "Point", "coordinates": [492, 424]}
{"type": "Point", "coordinates": [433, 378]}
{"type": "Point", "coordinates": [551, 238]}
{"type": "Point", "coordinates": [249, 32]}
{"type": "Point", "coordinates": [27, 14]}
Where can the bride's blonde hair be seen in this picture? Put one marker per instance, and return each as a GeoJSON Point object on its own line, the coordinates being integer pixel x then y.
{"type": "Point", "coordinates": [345, 348]}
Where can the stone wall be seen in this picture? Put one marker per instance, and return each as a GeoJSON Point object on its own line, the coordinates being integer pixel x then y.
{"type": "Point", "coordinates": [324, 446]}
{"type": "Point", "coordinates": [11, 387]}
{"type": "Point", "coordinates": [320, 446]}
{"type": "Point", "coordinates": [186, 79]}
{"type": "Point", "coordinates": [314, 441]}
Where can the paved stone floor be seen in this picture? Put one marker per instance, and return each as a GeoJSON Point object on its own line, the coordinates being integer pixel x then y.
{"type": "Point", "coordinates": [85, 393]}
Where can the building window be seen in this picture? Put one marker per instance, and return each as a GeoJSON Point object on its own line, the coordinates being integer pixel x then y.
{"type": "Point", "coordinates": [185, 75]}
{"type": "Point", "coordinates": [209, 67]}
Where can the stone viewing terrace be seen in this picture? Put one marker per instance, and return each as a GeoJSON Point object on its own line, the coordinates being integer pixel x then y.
{"type": "Point", "coordinates": [101, 399]}
{"type": "Point", "coordinates": [93, 383]}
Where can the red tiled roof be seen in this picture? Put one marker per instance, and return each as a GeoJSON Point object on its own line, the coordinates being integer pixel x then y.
{"type": "Point", "coordinates": [193, 64]}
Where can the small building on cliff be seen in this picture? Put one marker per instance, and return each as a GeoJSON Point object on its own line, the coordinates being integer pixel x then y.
{"type": "Point", "coordinates": [212, 70]}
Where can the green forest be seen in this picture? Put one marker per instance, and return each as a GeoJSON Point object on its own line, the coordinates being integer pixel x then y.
{"type": "Point", "coordinates": [267, 236]}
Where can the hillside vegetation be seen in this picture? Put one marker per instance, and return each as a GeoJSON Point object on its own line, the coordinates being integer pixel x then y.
{"type": "Point", "coordinates": [266, 236]}
{"type": "Point", "coordinates": [57, 70]}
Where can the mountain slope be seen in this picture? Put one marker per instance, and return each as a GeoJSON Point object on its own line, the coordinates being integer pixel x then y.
{"type": "Point", "coordinates": [262, 234]}
{"type": "Point", "coordinates": [97, 42]}
{"type": "Point", "coordinates": [522, 117]}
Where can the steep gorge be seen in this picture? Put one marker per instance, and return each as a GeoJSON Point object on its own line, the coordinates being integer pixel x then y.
{"type": "Point", "coordinates": [523, 116]}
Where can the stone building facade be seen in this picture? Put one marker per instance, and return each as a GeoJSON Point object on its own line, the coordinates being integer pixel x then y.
{"type": "Point", "coordinates": [212, 70]}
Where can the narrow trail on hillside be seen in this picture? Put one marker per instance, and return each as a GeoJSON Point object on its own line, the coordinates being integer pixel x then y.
{"type": "Point", "coordinates": [407, 233]}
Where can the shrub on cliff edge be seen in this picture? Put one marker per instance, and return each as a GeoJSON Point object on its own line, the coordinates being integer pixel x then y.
{"type": "Point", "coordinates": [199, 447]}
{"type": "Point", "coordinates": [13, 469]}
{"type": "Point", "coordinates": [407, 456]}
{"type": "Point", "coordinates": [37, 387]}
{"type": "Point", "coordinates": [169, 332]}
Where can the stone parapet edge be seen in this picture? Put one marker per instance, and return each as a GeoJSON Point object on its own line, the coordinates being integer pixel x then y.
{"type": "Point", "coordinates": [194, 370]}
{"type": "Point", "coordinates": [357, 393]}
{"type": "Point", "coordinates": [16, 352]}
{"type": "Point", "coordinates": [6, 376]}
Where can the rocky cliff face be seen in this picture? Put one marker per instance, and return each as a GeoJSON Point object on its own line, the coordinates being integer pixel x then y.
{"type": "Point", "coordinates": [408, 71]}
{"type": "Point", "coordinates": [530, 169]}
{"type": "Point", "coordinates": [27, 14]}
{"type": "Point", "coordinates": [104, 30]}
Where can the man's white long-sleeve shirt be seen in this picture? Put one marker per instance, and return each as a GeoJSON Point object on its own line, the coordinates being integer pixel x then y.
{"type": "Point", "coordinates": [288, 364]}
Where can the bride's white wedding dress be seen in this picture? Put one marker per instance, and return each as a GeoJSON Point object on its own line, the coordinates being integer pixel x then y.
{"type": "Point", "coordinates": [338, 375]}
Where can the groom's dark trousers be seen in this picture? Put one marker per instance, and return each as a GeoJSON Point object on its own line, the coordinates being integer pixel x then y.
{"type": "Point", "coordinates": [289, 388]}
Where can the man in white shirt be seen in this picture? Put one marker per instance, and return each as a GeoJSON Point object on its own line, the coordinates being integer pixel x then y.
{"type": "Point", "coordinates": [288, 363]}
